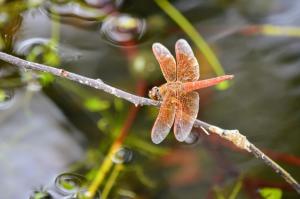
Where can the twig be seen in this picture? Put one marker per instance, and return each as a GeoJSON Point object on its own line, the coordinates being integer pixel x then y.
{"type": "Point", "coordinates": [95, 83]}
{"type": "Point", "coordinates": [233, 136]}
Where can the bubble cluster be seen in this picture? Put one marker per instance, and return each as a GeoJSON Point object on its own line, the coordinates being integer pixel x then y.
{"type": "Point", "coordinates": [123, 29]}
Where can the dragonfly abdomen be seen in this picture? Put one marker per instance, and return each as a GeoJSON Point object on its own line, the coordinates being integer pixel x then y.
{"type": "Point", "coordinates": [192, 86]}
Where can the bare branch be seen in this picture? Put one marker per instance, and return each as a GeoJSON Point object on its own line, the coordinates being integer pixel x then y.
{"type": "Point", "coordinates": [95, 83]}
{"type": "Point", "coordinates": [233, 136]}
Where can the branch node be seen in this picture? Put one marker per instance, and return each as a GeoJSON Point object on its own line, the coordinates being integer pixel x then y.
{"type": "Point", "coordinates": [233, 136]}
{"type": "Point", "coordinates": [63, 73]}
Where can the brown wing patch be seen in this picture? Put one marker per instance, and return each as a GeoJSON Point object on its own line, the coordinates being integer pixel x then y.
{"type": "Point", "coordinates": [187, 111]}
{"type": "Point", "coordinates": [164, 120]}
{"type": "Point", "coordinates": [166, 61]}
{"type": "Point", "coordinates": [187, 64]}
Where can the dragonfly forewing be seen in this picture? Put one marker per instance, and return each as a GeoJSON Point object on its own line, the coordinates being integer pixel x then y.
{"type": "Point", "coordinates": [166, 61]}
{"type": "Point", "coordinates": [187, 64]}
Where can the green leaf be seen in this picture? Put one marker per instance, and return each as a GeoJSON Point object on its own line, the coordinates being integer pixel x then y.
{"type": "Point", "coordinates": [270, 193]}
{"type": "Point", "coordinates": [95, 104]}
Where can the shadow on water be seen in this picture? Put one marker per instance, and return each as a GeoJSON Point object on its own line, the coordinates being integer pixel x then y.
{"type": "Point", "coordinates": [68, 127]}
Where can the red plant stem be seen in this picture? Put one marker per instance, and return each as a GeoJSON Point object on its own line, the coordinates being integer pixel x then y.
{"type": "Point", "coordinates": [141, 88]}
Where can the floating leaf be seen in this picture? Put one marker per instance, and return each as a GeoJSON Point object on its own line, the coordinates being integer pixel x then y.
{"type": "Point", "coordinates": [270, 193]}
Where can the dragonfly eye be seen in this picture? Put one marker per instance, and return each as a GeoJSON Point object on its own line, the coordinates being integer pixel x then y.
{"type": "Point", "coordinates": [154, 93]}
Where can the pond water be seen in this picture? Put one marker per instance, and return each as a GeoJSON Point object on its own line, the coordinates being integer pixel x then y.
{"type": "Point", "coordinates": [50, 126]}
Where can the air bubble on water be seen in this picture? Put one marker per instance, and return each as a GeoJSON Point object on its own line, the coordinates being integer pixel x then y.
{"type": "Point", "coordinates": [72, 186]}
{"type": "Point", "coordinates": [40, 46]}
{"type": "Point", "coordinates": [6, 98]}
{"type": "Point", "coordinates": [69, 183]}
{"type": "Point", "coordinates": [192, 138]}
{"type": "Point", "coordinates": [41, 193]}
{"type": "Point", "coordinates": [77, 10]}
{"type": "Point", "coordinates": [123, 29]}
{"type": "Point", "coordinates": [105, 3]}
{"type": "Point", "coordinates": [24, 47]}
{"type": "Point", "coordinates": [122, 156]}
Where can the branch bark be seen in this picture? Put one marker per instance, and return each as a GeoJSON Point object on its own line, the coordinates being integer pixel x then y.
{"type": "Point", "coordinates": [233, 136]}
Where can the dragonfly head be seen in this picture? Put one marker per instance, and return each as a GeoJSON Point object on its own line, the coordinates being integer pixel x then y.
{"type": "Point", "coordinates": [155, 94]}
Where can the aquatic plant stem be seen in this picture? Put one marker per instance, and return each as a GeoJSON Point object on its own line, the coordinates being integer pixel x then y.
{"type": "Point", "coordinates": [233, 136]}
{"type": "Point", "coordinates": [103, 170]}
{"type": "Point", "coordinates": [107, 163]}
{"type": "Point", "coordinates": [111, 180]}
{"type": "Point", "coordinates": [195, 36]}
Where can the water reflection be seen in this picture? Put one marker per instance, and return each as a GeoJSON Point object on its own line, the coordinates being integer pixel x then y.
{"type": "Point", "coordinates": [123, 29]}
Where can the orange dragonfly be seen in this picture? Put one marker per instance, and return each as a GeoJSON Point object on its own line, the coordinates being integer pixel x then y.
{"type": "Point", "coordinates": [180, 102]}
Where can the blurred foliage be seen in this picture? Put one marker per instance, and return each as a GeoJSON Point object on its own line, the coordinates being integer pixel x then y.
{"type": "Point", "coordinates": [95, 104]}
{"type": "Point", "coordinates": [270, 193]}
{"type": "Point", "coordinates": [234, 191]}
{"type": "Point", "coordinates": [2, 95]}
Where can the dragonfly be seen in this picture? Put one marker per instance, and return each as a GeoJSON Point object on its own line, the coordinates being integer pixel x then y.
{"type": "Point", "coordinates": [180, 101]}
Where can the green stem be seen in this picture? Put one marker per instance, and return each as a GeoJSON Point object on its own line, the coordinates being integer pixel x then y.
{"type": "Point", "coordinates": [189, 29]}
{"type": "Point", "coordinates": [111, 180]}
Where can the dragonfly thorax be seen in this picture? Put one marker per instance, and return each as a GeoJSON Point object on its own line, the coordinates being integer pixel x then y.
{"type": "Point", "coordinates": [158, 93]}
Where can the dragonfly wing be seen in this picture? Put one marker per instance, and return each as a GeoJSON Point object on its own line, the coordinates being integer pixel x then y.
{"type": "Point", "coordinates": [187, 64]}
{"type": "Point", "coordinates": [166, 61]}
{"type": "Point", "coordinates": [164, 120]}
{"type": "Point", "coordinates": [187, 110]}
